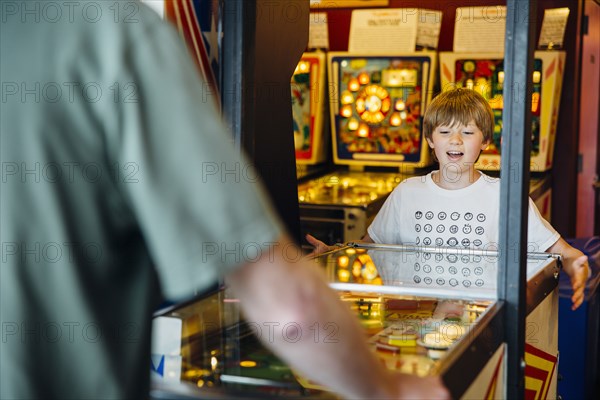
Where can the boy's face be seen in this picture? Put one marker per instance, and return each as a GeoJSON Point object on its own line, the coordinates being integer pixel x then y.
{"type": "Point", "coordinates": [457, 144]}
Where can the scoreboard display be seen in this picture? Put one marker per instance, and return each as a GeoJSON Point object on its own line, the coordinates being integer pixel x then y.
{"type": "Point", "coordinates": [377, 104]}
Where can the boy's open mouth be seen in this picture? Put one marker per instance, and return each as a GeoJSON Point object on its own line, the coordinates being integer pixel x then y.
{"type": "Point", "coordinates": [454, 154]}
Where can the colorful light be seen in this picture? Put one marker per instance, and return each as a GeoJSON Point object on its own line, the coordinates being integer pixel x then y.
{"type": "Point", "coordinates": [363, 130]}
{"type": "Point", "coordinates": [353, 85]}
{"type": "Point", "coordinates": [346, 111]}
{"type": "Point", "coordinates": [353, 124]}
{"type": "Point", "coordinates": [347, 97]}
{"type": "Point", "coordinates": [363, 78]}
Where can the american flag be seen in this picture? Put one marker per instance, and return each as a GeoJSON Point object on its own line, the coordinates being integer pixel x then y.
{"type": "Point", "coordinates": [199, 22]}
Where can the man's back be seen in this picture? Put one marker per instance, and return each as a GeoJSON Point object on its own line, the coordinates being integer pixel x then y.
{"type": "Point", "coordinates": [101, 172]}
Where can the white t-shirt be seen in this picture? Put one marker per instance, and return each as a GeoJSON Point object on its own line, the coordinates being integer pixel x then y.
{"type": "Point", "coordinates": [419, 212]}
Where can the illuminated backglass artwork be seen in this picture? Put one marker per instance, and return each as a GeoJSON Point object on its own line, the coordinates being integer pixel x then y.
{"type": "Point", "coordinates": [377, 107]}
{"type": "Point", "coordinates": [485, 74]}
{"type": "Point", "coordinates": [308, 107]}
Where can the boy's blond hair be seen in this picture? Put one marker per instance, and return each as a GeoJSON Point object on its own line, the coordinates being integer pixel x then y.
{"type": "Point", "coordinates": [459, 106]}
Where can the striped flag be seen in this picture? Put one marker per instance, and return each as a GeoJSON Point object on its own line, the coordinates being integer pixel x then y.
{"type": "Point", "coordinates": [199, 23]}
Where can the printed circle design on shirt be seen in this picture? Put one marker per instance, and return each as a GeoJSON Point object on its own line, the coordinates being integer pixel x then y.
{"type": "Point", "coordinates": [468, 216]}
{"type": "Point", "coordinates": [428, 228]}
{"type": "Point", "coordinates": [479, 282]}
{"type": "Point", "coordinates": [426, 268]}
{"type": "Point", "coordinates": [467, 229]}
{"type": "Point", "coordinates": [439, 269]}
{"type": "Point", "coordinates": [452, 270]}
{"type": "Point", "coordinates": [466, 283]}
{"type": "Point", "coordinates": [439, 241]}
{"type": "Point", "coordinates": [454, 216]}
{"type": "Point", "coordinates": [442, 216]}
{"type": "Point", "coordinates": [418, 214]}
{"type": "Point", "coordinates": [417, 240]}
{"type": "Point", "coordinates": [427, 241]}
{"type": "Point", "coordinates": [452, 258]}
{"type": "Point", "coordinates": [479, 230]}
{"type": "Point", "coordinates": [465, 259]}
{"type": "Point", "coordinates": [417, 279]}
{"type": "Point", "coordinates": [452, 242]}
{"type": "Point", "coordinates": [453, 282]}
{"type": "Point", "coordinates": [480, 217]}
{"type": "Point", "coordinates": [476, 259]}
{"type": "Point", "coordinates": [440, 228]}
{"type": "Point", "coordinates": [417, 267]}
{"type": "Point", "coordinates": [440, 281]}
{"type": "Point", "coordinates": [426, 256]}
{"type": "Point", "coordinates": [418, 227]}
{"type": "Point", "coordinates": [466, 271]}
{"type": "Point", "coordinates": [453, 229]}
{"type": "Point", "coordinates": [478, 271]}
{"type": "Point", "coordinates": [428, 280]}
{"type": "Point", "coordinates": [465, 242]}
{"type": "Point", "coordinates": [477, 242]}
{"type": "Point", "coordinates": [429, 215]}
{"type": "Point", "coordinates": [439, 256]}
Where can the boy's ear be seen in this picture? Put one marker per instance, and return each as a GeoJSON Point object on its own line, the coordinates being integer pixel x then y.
{"type": "Point", "coordinates": [485, 144]}
{"type": "Point", "coordinates": [430, 143]}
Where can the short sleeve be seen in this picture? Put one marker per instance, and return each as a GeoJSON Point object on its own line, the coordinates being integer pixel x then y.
{"type": "Point", "coordinates": [540, 234]}
{"type": "Point", "coordinates": [200, 205]}
{"type": "Point", "coordinates": [386, 225]}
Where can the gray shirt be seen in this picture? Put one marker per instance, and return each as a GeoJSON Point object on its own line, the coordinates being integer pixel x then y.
{"type": "Point", "coordinates": [118, 182]}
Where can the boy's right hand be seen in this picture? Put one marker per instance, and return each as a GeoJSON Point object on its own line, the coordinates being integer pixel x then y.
{"type": "Point", "coordinates": [319, 246]}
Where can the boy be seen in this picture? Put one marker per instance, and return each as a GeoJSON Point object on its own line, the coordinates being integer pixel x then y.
{"type": "Point", "coordinates": [458, 206]}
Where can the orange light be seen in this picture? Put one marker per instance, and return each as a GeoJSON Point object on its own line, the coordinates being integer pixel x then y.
{"type": "Point", "coordinates": [353, 85]}
{"type": "Point", "coordinates": [343, 261]}
{"type": "Point", "coordinates": [352, 124]}
{"type": "Point", "coordinates": [363, 78]}
{"type": "Point", "coordinates": [395, 119]}
{"type": "Point", "coordinates": [363, 130]}
{"type": "Point", "coordinates": [346, 111]}
{"type": "Point", "coordinates": [347, 97]}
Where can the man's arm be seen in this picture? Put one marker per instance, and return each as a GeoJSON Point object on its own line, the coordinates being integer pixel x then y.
{"type": "Point", "coordinates": [575, 264]}
{"type": "Point", "coordinates": [324, 342]}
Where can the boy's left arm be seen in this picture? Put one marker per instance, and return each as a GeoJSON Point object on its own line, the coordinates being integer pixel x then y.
{"type": "Point", "coordinates": [575, 264]}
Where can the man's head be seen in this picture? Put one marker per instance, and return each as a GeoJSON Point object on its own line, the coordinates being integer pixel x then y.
{"type": "Point", "coordinates": [459, 106]}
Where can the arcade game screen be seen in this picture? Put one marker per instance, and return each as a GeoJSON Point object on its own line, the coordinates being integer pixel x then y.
{"type": "Point", "coordinates": [487, 78]}
{"type": "Point", "coordinates": [484, 73]}
{"type": "Point", "coordinates": [377, 115]}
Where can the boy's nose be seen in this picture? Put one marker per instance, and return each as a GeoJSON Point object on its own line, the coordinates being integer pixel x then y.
{"type": "Point", "coordinates": [455, 138]}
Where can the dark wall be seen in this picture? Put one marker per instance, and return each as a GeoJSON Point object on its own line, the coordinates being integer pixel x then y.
{"type": "Point", "coordinates": [564, 170]}
{"type": "Point", "coordinates": [281, 36]}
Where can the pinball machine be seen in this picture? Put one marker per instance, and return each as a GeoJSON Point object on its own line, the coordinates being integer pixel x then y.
{"type": "Point", "coordinates": [424, 311]}
{"type": "Point", "coordinates": [309, 109]}
{"type": "Point", "coordinates": [376, 104]}
{"type": "Point", "coordinates": [485, 74]}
